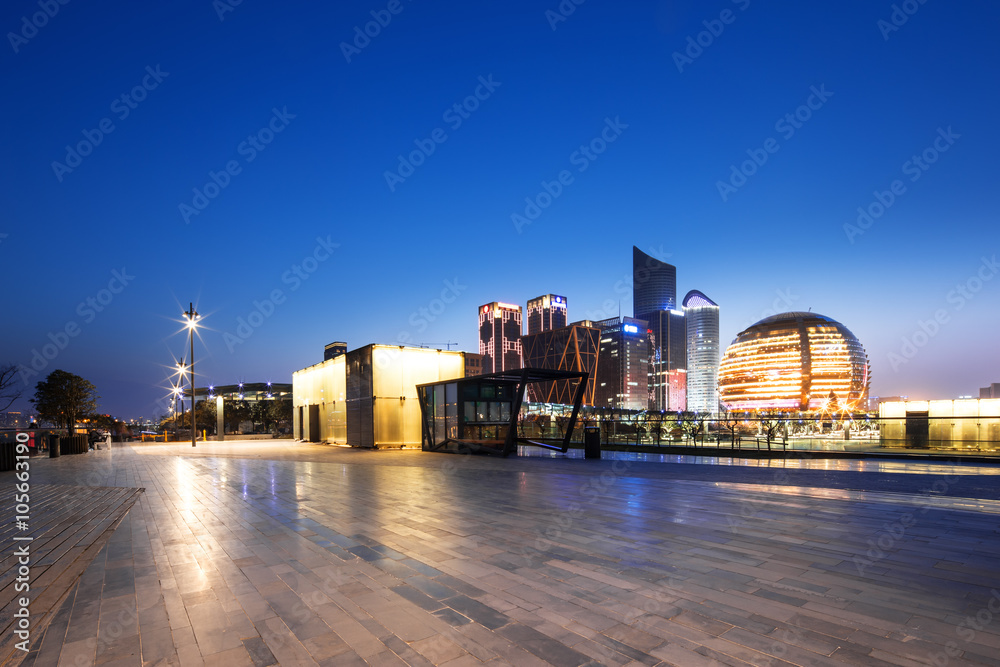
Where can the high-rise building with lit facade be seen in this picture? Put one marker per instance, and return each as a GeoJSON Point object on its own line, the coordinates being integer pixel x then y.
{"type": "Point", "coordinates": [795, 361]}
{"type": "Point", "coordinates": [701, 316]}
{"type": "Point", "coordinates": [12, 419]}
{"type": "Point", "coordinates": [654, 300]}
{"type": "Point", "coordinates": [473, 364]}
{"type": "Point", "coordinates": [668, 360]}
{"type": "Point", "coordinates": [500, 336]}
{"type": "Point", "coordinates": [623, 364]}
{"type": "Point", "coordinates": [334, 350]}
{"type": "Point", "coordinates": [572, 348]}
{"type": "Point", "coordinates": [546, 313]}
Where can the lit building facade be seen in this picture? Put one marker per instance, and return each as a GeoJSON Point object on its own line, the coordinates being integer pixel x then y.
{"type": "Point", "coordinates": [368, 396]}
{"type": "Point", "coordinates": [654, 300]}
{"type": "Point", "coordinates": [701, 316]}
{"type": "Point", "coordinates": [473, 364]}
{"type": "Point", "coordinates": [546, 313]}
{"type": "Point", "coordinates": [572, 348]}
{"type": "Point", "coordinates": [500, 337]}
{"type": "Point", "coordinates": [334, 349]}
{"type": "Point", "coordinates": [794, 361]}
{"type": "Point", "coordinates": [623, 364]}
{"type": "Point", "coordinates": [668, 360]}
{"type": "Point", "coordinates": [947, 424]}
{"type": "Point", "coordinates": [12, 419]}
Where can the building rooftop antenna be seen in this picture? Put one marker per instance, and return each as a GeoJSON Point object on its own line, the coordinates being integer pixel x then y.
{"type": "Point", "coordinates": [447, 345]}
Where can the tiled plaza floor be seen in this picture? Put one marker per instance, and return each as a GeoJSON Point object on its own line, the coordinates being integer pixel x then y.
{"type": "Point", "coordinates": [280, 553]}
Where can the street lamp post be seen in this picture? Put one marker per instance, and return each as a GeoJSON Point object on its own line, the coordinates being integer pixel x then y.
{"type": "Point", "coordinates": [192, 318]}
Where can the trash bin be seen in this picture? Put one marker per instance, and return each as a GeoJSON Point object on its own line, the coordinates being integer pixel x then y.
{"type": "Point", "coordinates": [7, 456]}
{"type": "Point", "coordinates": [592, 442]}
{"type": "Point", "coordinates": [53, 445]}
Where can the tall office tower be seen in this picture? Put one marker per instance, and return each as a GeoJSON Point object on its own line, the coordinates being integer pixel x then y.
{"type": "Point", "coordinates": [668, 361]}
{"type": "Point", "coordinates": [654, 284]}
{"type": "Point", "coordinates": [703, 352]}
{"type": "Point", "coordinates": [473, 364]}
{"type": "Point", "coordinates": [500, 336]}
{"type": "Point", "coordinates": [546, 313]}
{"type": "Point", "coordinates": [571, 348]}
{"type": "Point", "coordinates": [654, 299]}
{"type": "Point", "coordinates": [623, 364]}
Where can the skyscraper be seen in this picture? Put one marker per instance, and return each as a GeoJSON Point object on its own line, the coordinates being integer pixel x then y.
{"type": "Point", "coordinates": [654, 284]}
{"type": "Point", "coordinates": [500, 336]}
{"type": "Point", "coordinates": [546, 313]}
{"type": "Point", "coordinates": [703, 352]}
{"type": "Point", "coordinates": [654, 299]}
{"type": "Point", "coordinates": [623, 364]}
{"type": "Point", "coordinates": [668, 361]}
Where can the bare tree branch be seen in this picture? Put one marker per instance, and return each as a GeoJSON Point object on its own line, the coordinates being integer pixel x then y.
{"type": "Point", "coordinates": [9, 391]}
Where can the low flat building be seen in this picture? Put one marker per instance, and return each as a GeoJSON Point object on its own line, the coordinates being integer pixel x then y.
{"type": "Point", "coordinates": [971, 423]}
{"type": "Point", "coordinates": [368, 397]}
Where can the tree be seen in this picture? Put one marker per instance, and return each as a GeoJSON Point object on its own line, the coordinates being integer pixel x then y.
{"type": "Point", "coordinates": [235, 413]}
{"type": "Point", "coordinates": [259, 414]}
{"type": "Point", "coordinates": [9, 392]}
{"type": "Point", "coordinates": [771, 423]}
{"type": "Point", "coordinates": [206, 413]}
{"type": "Point", "coordinates": [114, 426]}
{"type": "Point", "coordinates": [656, 426]}
{"type": "Point", "coordinates": [280, 411]}
{"type": "Point", "coordinates": [693, 425]}
{"type": "Point", "coordinates": [62, 398]}
{"type": "Point", "coordinates": [731, 423]}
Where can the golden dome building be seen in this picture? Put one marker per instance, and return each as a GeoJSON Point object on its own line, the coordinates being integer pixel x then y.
{"type": "Point", "coordinates": [794, 361]}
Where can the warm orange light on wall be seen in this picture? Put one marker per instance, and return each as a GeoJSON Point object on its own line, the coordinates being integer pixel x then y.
{"type": "Point", "coordinates": [794, 361]}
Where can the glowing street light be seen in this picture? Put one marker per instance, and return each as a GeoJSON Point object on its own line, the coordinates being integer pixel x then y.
{"type": "Point", "coordinates": [177, 397]}
{"type": "Point", "coordinates": [192, 323]}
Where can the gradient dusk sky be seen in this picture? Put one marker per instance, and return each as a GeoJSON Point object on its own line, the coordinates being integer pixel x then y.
{"type": "Point", "coordinates": [629, 118]}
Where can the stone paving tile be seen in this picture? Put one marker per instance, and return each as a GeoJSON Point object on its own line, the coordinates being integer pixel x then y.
{"type": "Point", "coordinates": [261, 554]}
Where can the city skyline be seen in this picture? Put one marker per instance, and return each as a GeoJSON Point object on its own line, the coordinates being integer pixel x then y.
{"type": "Point", "coordinates": [301, 184]}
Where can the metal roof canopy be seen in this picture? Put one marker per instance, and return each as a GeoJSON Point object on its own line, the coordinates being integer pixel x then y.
{"type": "Point", "coordinates": [245, 388]}
{"type": "Point", "coordinates": [521, 378]}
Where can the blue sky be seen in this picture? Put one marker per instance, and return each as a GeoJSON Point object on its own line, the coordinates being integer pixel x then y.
{"type": "Point", "coordinates": [329, 126]}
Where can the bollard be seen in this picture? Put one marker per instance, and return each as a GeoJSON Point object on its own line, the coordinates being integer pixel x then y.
{"type": "Point", "coordinates": [54, 445]}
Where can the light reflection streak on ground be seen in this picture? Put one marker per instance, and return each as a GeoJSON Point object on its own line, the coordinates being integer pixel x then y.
{"type": "Point", "coordinates": [911, 499]}
{"type": "Point", "coordinates": [841, 465]}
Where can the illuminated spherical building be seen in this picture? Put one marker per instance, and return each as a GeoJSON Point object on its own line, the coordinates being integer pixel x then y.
{"type": "Point", "coordinates": [793, 361]}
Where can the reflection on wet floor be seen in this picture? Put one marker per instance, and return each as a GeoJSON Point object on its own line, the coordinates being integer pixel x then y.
{"type": "Point", "coordinates": [923, 501]}
{"type": "Point", "coordinates": [290, 553]}
{"type": "Point", "coordinates": [845, 465]}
